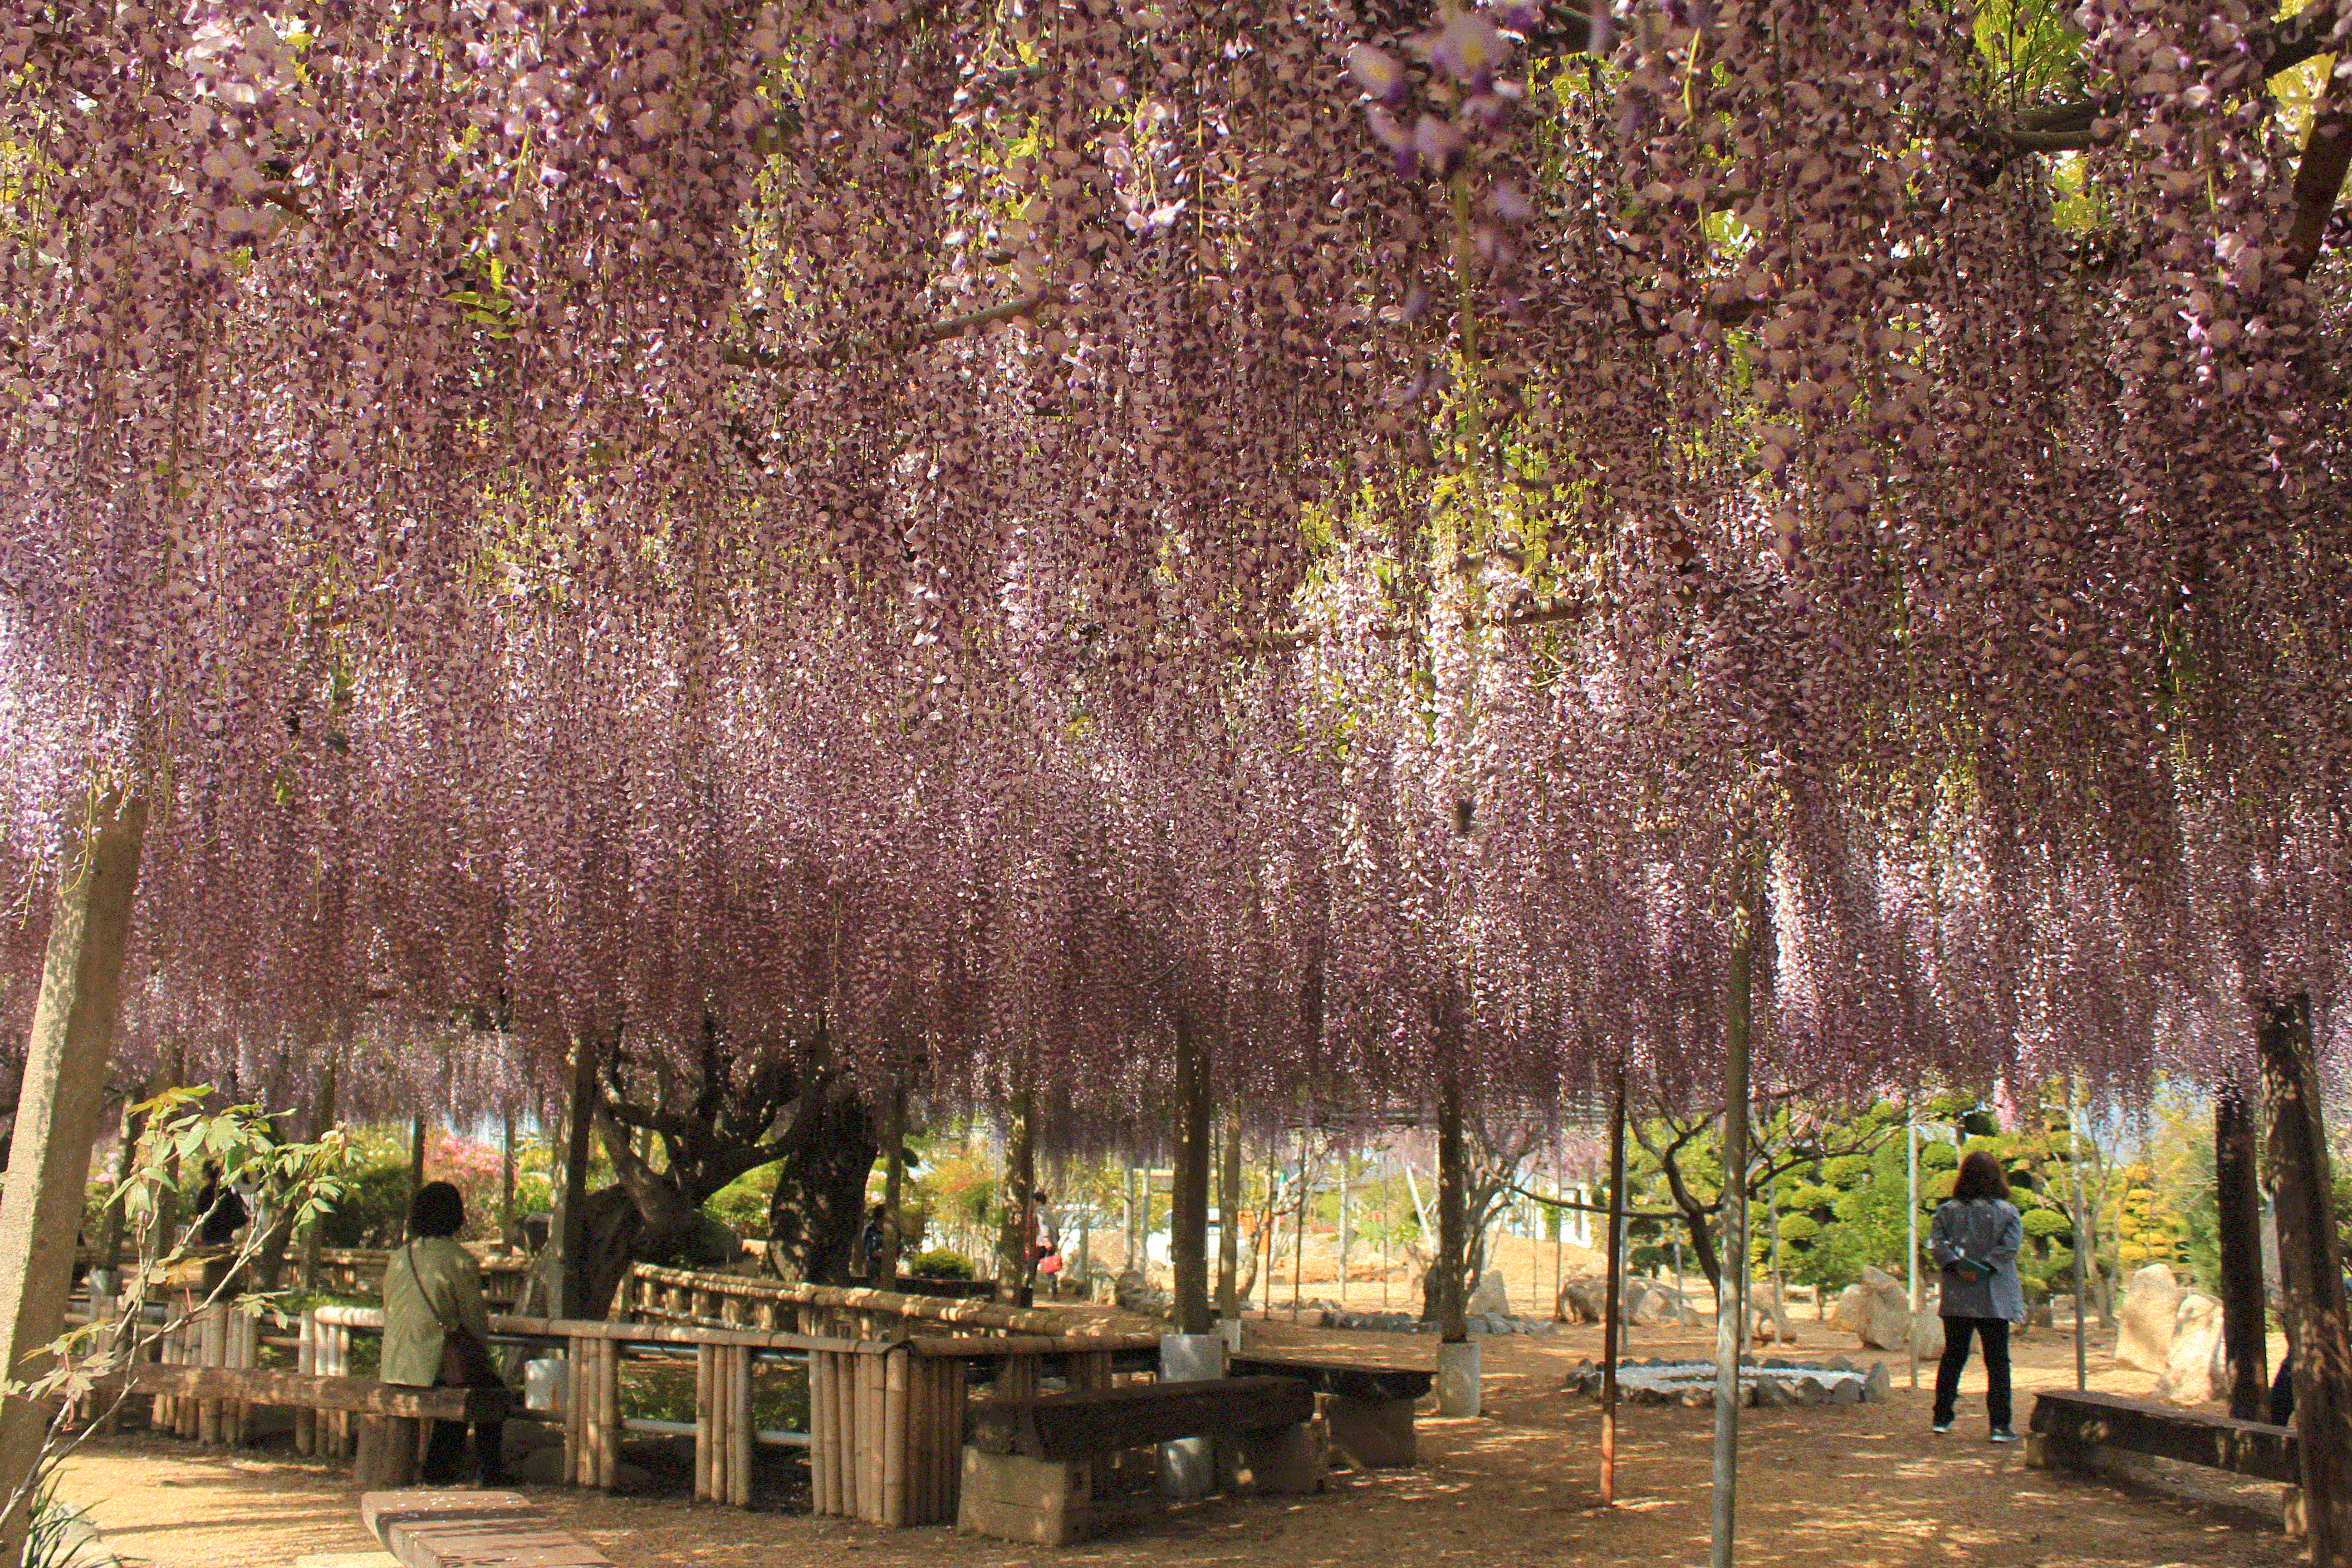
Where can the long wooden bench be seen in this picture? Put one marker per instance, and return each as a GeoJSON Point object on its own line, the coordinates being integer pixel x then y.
{"type": "Point", "coordinates": [1367, 1410]}
{"type": "Point", "coordinates": [1028, 1467]}
{"type": "Point", "coordinates": [392, 1416]}
{"type": "Point", "coordinates": [2103, 1431]}
{"type": "Point", "coordinates": [472, 1529]}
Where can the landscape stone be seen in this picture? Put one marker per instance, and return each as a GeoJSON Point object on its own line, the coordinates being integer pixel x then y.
{"type": "Point", "coordinates": [1697, 1397]}
{"type": "Point", "coordinates": [1492, 1296]}
{"type": "Point", "coordinates": [1771, 1393]}
{"type": "Point", "coordinates": [1847, 1315]}
{"type": "Point", "coordinates": [1878, 1383]}
{"type": "Point", "coordinates": [1581, 1300]}
{"type": "Point", "coordinates": [2195, 1370]}
{"type": "Point", "coordinates": [1810, 1394]}
{"type": "Point", "coordinates": [1845, 1391]}
{"type": "Point", "coordinates": [2144, 1339]}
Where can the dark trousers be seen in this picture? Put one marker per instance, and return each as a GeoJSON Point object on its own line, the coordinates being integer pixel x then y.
{"type": "Point", "coordinates": [444, 1450]}
{"type": "Point", "coordinates": [2283, 1391]}
{"type": "Point", "coordinates": [1994, 1332]}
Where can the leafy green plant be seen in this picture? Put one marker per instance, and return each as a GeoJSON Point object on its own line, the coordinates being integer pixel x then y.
{"type": "Point", "coordinates": [940, 1264]}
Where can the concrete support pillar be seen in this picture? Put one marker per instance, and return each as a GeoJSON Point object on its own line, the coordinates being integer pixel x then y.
{"type": "Point", "coordinates": [1188, 1466]}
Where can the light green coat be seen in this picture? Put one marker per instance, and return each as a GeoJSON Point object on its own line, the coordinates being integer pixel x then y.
{"type": "Point", "coordinates": [447, 1274]}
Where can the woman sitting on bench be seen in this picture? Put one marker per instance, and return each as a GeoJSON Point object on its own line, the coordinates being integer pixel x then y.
{"type": "Point", "coordinates": [432, 1309]}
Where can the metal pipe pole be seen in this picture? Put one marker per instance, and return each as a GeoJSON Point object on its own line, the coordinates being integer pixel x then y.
{"type": "Point", "coordinates": [1613, 1309]}
{"type": "Point", "coordinates": [1723, 1521]}
{"type": "Point", "coordinates": [2074, 1170]}
{"type": "Point", "coordinates": [1911, 1228]}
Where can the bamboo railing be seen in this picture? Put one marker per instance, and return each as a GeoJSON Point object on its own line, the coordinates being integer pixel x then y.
{"type": "Point", "coordinates": [887, 1387]}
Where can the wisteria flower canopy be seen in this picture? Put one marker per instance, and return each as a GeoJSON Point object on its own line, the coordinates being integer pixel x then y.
{"type": "Point", "coordinates": [1370, 528]}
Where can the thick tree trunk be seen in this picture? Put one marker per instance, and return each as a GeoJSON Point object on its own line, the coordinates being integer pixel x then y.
{"type": "Point", "coordinates": [819, 1206]}
{"type": "Point", "coordinates": [1014, 1228]}
{"type": "Point", "coordinates": [2237, 1190]}
{"type": "Point", "coordinates": [116, 1215]}
{"type": "Point", "coordinates": [1452, 1217]}
{"type": "Point", "coordinates": [2312, 1270]}
{"type": "Point", "coordinates": [58, 1106]}
{"type": "Point", "coordinates": [1188, 1224]}
{"type": "Point", "coordinates": [322, 1121]}
{"type": "Point", "coordinates": [564, 1270]}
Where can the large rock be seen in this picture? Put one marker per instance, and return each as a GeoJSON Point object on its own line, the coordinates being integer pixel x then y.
{"type": "Point", "coordinates": [2145, 1339]}
{"type": "Point", "coordinates": [2194, 1369]}
{"type": "Point", "coordinates": [1771, 1325]}
{"type": "Point", "coordinates": [1649, 1303]}
{"type": "Point", "coordinates": [1134, 1291]}
{"type": "Point", "coordinates": [1491, 1297]}
{"type": "Point", "coordinates": [1582, 1301]}
{"type": "Point", "coordinates": [1847, 1315]}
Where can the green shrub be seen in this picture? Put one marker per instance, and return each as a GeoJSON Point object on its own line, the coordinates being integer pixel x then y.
{"type": "Point", "coordinates": [1845, 1170]}
{"type": "Point", "coordinates": [2051, 1223]}
{"type": "Point", "coordinates": [940, 1264]}
{"type": "Point", "coordinates": [1938, 1157]}
{"type": "Point", "coordinates": [1798, 1229]}
{"type": "Point", "coordinates": [372, 1210]}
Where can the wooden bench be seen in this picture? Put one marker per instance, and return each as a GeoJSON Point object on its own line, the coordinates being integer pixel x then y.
{"type": "Point", "coordinates": [2102, 1431]}
{"type": "Point", "coordinates": [1367, 1410]}
{"type": "Point", "coordinates": [1028, 1469]}
{"type": "Point", "coordinates": [392, 1416]}
{"type": "Point", "coordinates": [472, 1529]}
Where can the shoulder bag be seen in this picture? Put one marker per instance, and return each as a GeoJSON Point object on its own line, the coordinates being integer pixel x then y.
{"type": "Point", "coordinates": [464, 1359]}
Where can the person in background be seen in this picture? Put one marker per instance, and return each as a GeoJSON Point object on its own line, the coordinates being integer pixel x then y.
{"type": "Point", "coordinates": [1045, 1231]}
{"type": "Point", "coordinates": [220, 1212]}
{"type": "Point", "coordinates": [1976, 1237]}
{"type": "Point", "coordinates": [2283, 1385]}
{"type": "Point", "coordinates": [428, 1283]}
{"type": "Point", "coordinates": [871, 1241]}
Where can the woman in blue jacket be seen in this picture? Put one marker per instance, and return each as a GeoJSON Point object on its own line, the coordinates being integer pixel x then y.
{"type": "Point", "coordinates": [1976, 1238]}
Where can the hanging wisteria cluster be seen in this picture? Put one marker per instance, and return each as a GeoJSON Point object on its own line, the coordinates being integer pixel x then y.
{"type": "Point", "coordinates": [983, 531]}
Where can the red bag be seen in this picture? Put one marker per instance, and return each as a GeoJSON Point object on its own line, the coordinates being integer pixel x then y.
{"type": "Point", "coordinates": [1050, 1264]}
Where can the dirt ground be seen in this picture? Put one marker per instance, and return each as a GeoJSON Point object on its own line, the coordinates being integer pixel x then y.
{"type": "Point", "coordinates": [1832, 1488]}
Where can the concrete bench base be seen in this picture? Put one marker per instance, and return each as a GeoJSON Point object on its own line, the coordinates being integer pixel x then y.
{"type": "Point", "coordinates": [1371, 1433]}
{"type": "Point", "coordinates": [1294, 1458]}
{"type": "Point", "coordinates": [473, 1529]}
{"type": "Point", "coordinates": [1043, 1503]}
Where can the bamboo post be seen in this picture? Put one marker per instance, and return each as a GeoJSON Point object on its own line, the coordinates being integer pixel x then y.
{"type": "Point", "coordinates": [824, 1419]}
{"type": "Point", "coordinates": [870, 1429]}
{"type": "Point", "coordinates": [575, 1412]}
{"type": "Point", "coordinates": [742, 1432]}
{"type": "Point", "coordinates": [1724, 1513]}
{"type": "Point", "coordinates": [213, 1351]}
{"type": "Point", "coordinates": [706, 1434]}
{"type": "Point", "coordinates": [1615, 1310]}
{"type": "Point", "coordinates": [306, 1361]}
{"type": "Point", "coordinates": [896, 1388]}
{"type": "Point", "coordinates": [608, 1439]}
